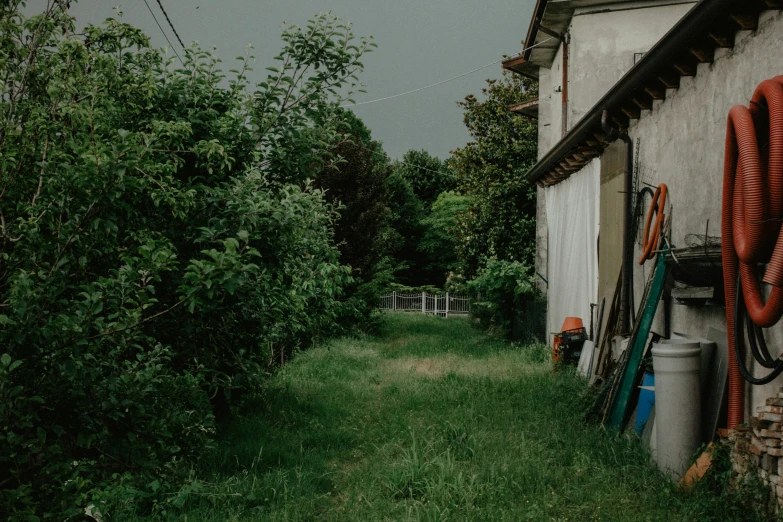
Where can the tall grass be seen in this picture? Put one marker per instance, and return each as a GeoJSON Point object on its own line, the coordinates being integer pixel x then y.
{"type": "Point", "coordinates": [431, 420]}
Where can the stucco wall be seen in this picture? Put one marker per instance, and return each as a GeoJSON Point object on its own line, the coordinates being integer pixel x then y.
{"type": "Point", "coordinates": [603, 44]}
{"type": "Point", "coordinates": [551, 112]}
{"type": "Point", "coordinates": [544, 138]}
{"type": "Point", "coordinates": [602, 48]}
{"type": "Point", "coordinates": [682, 142]}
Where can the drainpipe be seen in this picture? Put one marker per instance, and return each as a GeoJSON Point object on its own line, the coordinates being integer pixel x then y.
{"type": "Point", "coordinates": [565, 40]}
{"type": "Point", "coordinates": [627, 280]}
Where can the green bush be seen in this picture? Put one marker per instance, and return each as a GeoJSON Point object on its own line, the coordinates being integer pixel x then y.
{"type": "Point", "coordinates": [161, 248]}
{"type": "Point", "coordinates": [505, 299]}
{"type": "Point", "coordinates": [404, 289]}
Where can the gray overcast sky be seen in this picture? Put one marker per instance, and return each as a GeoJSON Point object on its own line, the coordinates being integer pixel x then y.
{"type": "Point", "coordinates": [419, 43]}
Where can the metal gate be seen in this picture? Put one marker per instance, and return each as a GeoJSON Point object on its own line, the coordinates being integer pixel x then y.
{"type": "Point", "coordinates": [441, 305]}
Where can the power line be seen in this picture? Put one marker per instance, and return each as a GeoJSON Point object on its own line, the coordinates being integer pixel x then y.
{"type": "Point", "coordinates": [164, 32]}
{"type": "Point", "coordinates": [170, 24]}
{"type": "Point", "coordinates": [440, 82]}
{"type": "Point", "coordinates": [383, 155]}
{"type": "Point", "coordinates": [420, 167]}
{"type": "Point", "coordinates": [422, 88]}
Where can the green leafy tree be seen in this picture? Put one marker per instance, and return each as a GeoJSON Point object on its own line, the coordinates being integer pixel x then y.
{"type": "Point", "coordinates": [427, 175]}
{"type": "Point", "coordinates": [354, 181]}
{"type": "Point", "coordinates": [500, 222]}
{"type": "Point", "coordinates": [160, 246]}
{"type": "Point", "coordinates": [405, 230]}
{"type": "Point", "coordinates": [415, 185]}
{"type": "Point", "coordinates": [439, 242]}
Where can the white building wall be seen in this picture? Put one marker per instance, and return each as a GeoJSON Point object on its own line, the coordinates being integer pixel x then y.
{"type": "Point", "coordinates": [603, 41]}
{"type": "Point", "coordinates": [554, 107]}
{"type": "Point", "coordinates": [544, 138]}
{"type": "Point", "coordinates": [602, 47]}
{"type": "Point", "coordinates": [545, 102]}
{"type": "Point", "coordinates": [682, 144]}
{"type": "Point", "coordinates": [603, 44]}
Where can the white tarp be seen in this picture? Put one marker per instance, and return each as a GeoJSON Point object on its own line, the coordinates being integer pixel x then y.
{"type": "Point", "coordinates": [572, 210]}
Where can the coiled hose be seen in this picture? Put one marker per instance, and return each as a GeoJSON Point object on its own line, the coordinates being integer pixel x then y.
{"type": "Point", "coordinates": [751, 224]}
{"type": "Point", "coordinates": [657, 207]}
{"type": "Point", "coordinates": [758, 346]}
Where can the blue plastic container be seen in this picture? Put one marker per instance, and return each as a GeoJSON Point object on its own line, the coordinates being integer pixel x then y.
{"type": "Point", "coordinates": [646, 401]}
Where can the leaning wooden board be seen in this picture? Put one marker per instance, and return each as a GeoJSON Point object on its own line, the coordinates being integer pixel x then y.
{"type": "Point", "coordinates": [636, 346]}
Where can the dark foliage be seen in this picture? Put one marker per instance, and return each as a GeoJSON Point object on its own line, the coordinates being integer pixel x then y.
{"type": "Point", "coordinates": [500, 222]}
{"type": "Point", "coordinates": [355, 182]}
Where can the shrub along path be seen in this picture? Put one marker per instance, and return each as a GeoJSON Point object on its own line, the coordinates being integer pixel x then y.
{"type": "Point", "coordinates": [431, 420]}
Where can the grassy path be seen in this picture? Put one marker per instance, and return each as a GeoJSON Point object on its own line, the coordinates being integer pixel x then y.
{"type": "Point", "coordinates": [431, 421]}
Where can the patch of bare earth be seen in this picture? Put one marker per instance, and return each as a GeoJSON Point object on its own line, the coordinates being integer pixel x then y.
{"type": "Point", "coordinates": [502, 367]}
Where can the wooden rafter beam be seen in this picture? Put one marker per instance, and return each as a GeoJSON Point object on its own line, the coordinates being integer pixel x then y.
{"type": "Point", "coordinates": [685, 68]}
{"type": "Point", "coordinates": [670, 79]}
{"type": "Point", "coordinates": [704, 53]}
{"type": "Point", "coordinates": [620, 119]}
{"type": "Point", "coordinates": [573, 163]}
{"type": "Point", "coordinates": [643, 100]}
{"type": "Point", "coordinates": [723, 37]}
{"type": "Point", "coordinates": [632, 111]}
{"type": "Point", "coordinates": [747, 21]}
{"type": "Point", "coordinates": [656, 90]}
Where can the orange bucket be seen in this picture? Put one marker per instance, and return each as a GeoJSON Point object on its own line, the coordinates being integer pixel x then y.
{"type": "Point", "coordinates": [570, 323]}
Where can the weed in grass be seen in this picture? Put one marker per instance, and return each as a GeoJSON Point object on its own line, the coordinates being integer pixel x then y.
{"type": "Point", "coordinates": [461, 444]}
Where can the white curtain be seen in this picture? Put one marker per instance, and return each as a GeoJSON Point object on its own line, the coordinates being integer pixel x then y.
{"type": "Point", "coordinates": [572, 210]}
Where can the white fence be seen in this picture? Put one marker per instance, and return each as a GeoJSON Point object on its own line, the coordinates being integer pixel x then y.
{"type": "Point", "coordinates": [440, 305]}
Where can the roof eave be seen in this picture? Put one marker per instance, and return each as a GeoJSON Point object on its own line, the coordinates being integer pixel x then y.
{"type": "Point", "coordinates": [519, 65]}
{"type": "Point", "coordinates": [528, 108]}
{"type": "Point", "coordinates": [532, 29]}
{"type": "Point", "coordinates": [660, 58]}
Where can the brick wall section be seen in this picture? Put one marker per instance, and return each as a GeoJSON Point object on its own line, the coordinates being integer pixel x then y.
{"type": "Point", "coordinates": [758, 449]}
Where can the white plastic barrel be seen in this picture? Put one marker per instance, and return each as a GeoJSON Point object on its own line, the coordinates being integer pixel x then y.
{"type": "Point", "coordinates": [677, 404]}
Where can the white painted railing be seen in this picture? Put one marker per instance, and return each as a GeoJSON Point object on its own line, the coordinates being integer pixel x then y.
{"type": "Point", "coordinates": [425, 303]}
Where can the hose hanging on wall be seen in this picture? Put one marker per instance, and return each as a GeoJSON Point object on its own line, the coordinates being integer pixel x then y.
{"type": "Point", "coordinates": [752, 210]}
{"type": "Point", "coordinates": [758, 346]}
{"type": "Point", "coordinates": [657, 207]}
{"type": "Point", "coordinates": [637, 211]}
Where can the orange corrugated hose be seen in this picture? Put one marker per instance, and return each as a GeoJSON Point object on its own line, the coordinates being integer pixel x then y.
{"type": "Point", "coordinates": [657, 207]}
{"type": "Point", "coordinates": [751, 219]}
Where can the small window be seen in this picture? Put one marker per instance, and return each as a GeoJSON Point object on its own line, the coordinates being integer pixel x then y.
{"type": "Point", "coordinates": [637, 57]}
